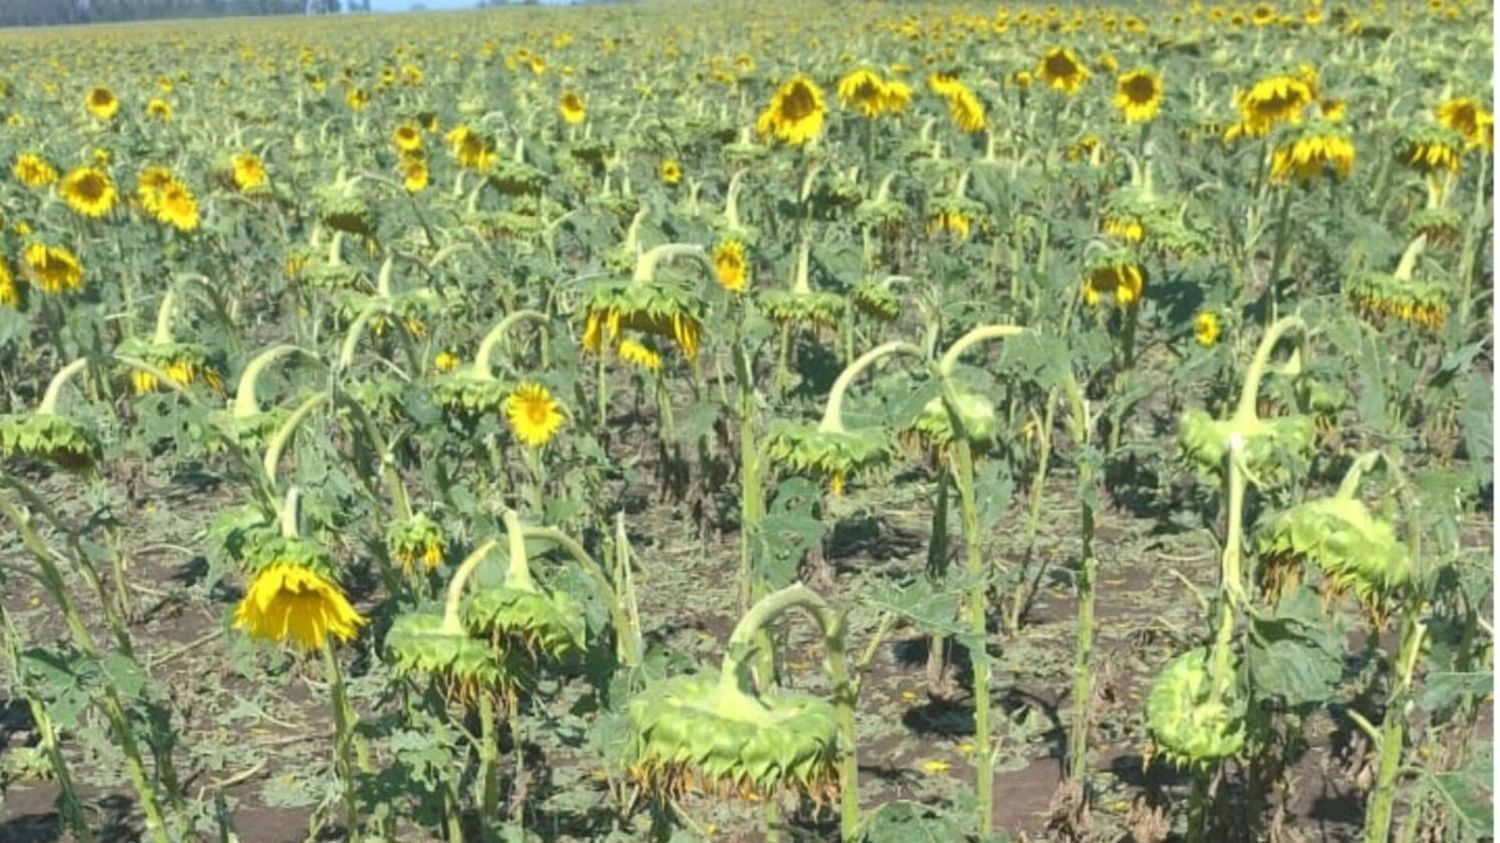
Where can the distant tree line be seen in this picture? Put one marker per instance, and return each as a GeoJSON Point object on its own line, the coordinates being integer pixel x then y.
{"type": "Point", "coordinates": [52, 12]}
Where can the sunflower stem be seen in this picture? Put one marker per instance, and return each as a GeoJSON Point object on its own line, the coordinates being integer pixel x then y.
{"type": "Point", "coordinates": [55, 386]}
{"type": "Point", "coordinates": [163, 334]}
{"type": "Point", "coordinates": [283, 435]}
{"type": "Point", "coordinates": [342, 736]}
{"type": "Point", "coordinates": [483, 369]}
{"type": "Point", "coordinates": [833, 419]}
{"type": "Point", "coordinates": [1245, 410]}
{"type": "Point", "coordinates": [245, 404]}
{"type": "Point", "coordinates": [452, 625]}
{"type": "Point", "coordinates": [983, 333]}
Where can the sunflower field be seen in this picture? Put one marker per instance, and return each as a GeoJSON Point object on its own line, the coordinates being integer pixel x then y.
{"type": "Point", "coordinates": [750, 421]}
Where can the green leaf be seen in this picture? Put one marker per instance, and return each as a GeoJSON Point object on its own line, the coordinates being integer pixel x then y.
{"type": "Point", "coordinates": [1441, 690]}
{"type": "Point", "coordinates": [1297, 653]}
{"type": "Point", "coordinates": [909, 822]}
{"type": "Point", "coordinates": [1469, 793]}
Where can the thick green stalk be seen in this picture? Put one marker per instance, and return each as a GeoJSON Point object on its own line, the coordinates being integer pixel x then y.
{"type": "Point", "coordinates": [343, 735]}
{"type": "Point", "coordinates": [963, 469]}
{"type": "Point", "coordinates": [452, 624]}
{"type": "Point", "coordinates": [1084, 652]}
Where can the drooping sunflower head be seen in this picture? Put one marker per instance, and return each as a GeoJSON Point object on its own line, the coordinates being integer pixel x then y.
{"type": "Point", "coordinates": [1061, 70]}
{"type": "Point", "coordinates": [1441, 226]}
{"type": "Point", "coordinates": [815, 309]}
{"type": "Point", "coordinates": [529, 619]}
{"type": "Point", "coordinates": [572, 109]}
{"type": "Point", "coordinates": [473, 150]}
{"type": "Point", "coordinates": [414, 540]}
{"type": "Point", "coordinates": [88, 191]}
{"type": "Point", "coordinates": [1354, 550]}
{"type": "Point", "coordinates": [965, 109]}
{"type": "Point", "coordinates": [346, 212]}
{"type": "Point", "coordinates": [52, 269]}
{"type": "Point", "coordinates": [534, 415]}
{"type": "Point", "coordinates": [934, 427]}
{"type": "Point", "coordinates": [59, 439]}
{"type": "Point", "coordinates": [1273, 448]}
{"type": "Point", "coordinates": [1138, 95]}
{"type": "Point", "coordinates": [183, 363]}
{"type": "Point", "coordinates": [1312, 152]}
{"type": "Point", "coordinates": [662, 307]}
{"type": "Point", "coordinates": [955, 216]}
{"type": "Point", "coordinates": [1429, 147]}
{"type": "Point", "coordinates": [462, 666]}
{"type": "Point", "coordinates": [292, 599]}
{"type": "Point", "coordinates": [1273, 101]}
{"type": "Point", "coordinates": [697, 733]}
{"type": "Point", "coordinates": [876, 300]}
{"type": "Point", "coordinates": [101, 102]}
{"type": "Point", "coordinates": [795, 113]}
{"type": "Point", "coordinates": [832, 455]}
{"type": "Point", "coordinates": [1113, 275]}
{"type": "Point", "coordinates": [1470, 119]}
{"type": "Point", "coordinates": [1189, 724]}
{"type": "Point", "coordinates": [32, 170]}
{"type": "Point", "coordinates": [467, 397]}
{"type": "Point", "coordinates": [1382, 297]}
{"type": "Point", "coordinates": [864, 91]}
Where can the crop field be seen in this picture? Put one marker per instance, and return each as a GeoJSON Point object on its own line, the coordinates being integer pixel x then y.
{"type": "Point", "coordinates": [788, 421]}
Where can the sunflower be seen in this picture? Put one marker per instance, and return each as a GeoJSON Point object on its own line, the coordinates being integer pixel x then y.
{"type": "Point", "coordinates": [955, 222]}
{"type": "Point", "coordinates": [52, 269]}
{"type": "Point", "coordinates": [1062, 71]}
{"type": "Point", "coordinates": [159, 108]}
{"type": "Point", "coordinates": [293, 602]}
{"type": "Point", "coordinates": [730, 266]}
{"type": "Point", "coordinates": [795, 113]}
{"type": "Point", "coordinates": [1273, 101]}
{"type": "Point", "coordinates": [177, 207]}
{"type": "Point", "coordinates": [1206, 328]}
{"type": "Point", "coordinates": [1467, 117]}
{"type": "Point", "coordinates": [864, 91]}
{"type": "Point", "coordinates": [414, 174]}
{"type": "Point", "coordinates": [533, 414]}
{"type": "Point", "coordinates": [407, 137]}
{"type": "Point", "coordinates": [572, 109]}
{"type": "Point", "coordinates": [247, 171]}
{"type": "Point", "coordinates": [965, 109]}
{"type": "Point", "coordinates": [1262, 15]}
{"type": "Point", "coordinates": [640, 355]}
{"type": "Point", "coordinates": [1125, 228]}
{"type": "Point", "coordinates": [1307, 155]}
{"type": "Point", "coordinates": [1138, 95]}
{"type": "Point", "coordinates": [446, 361]}
{"type": "Point", "coordinates": [31, 170]}
{"type": "Point", "coordinates": [1114, 272]}
{"type": "Point", "coordinates": [671, 172]}
{"type": "Point", "coordinates": [150, 185]}
{"type": "Point", "coordinates": [357, 98]}
{"type": "Point", "coordinates": [88, 191]}
{"type": "Point", "coordinates": [471, 149]}
{"type": "Point", "coordinates": [101, 102]}
{"type": "Point", "coordinates": [9, 295]}
{"type": "Point", "coordinates": [1431, 147]}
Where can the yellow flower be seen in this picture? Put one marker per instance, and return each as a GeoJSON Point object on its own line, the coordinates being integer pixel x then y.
{"type": "Point", "coordinates": [52, 269]}
{"type": "Point", "coordinates": [1431, 154]}
{"type": "Point", "coordinates": [730, 266]}
{"type": "Point", "coordinates": [357, 98]}
{"type": "Point", "coordinates": [1333, 111]}
{"type": "Point", "coordinates": [795, 113]}
{"type": "Point", "coordinates": [291, 603]}
{"type": "Point", "coordinates": [1138, 95]}
{"type": "Point", "coordinates": [101, 102]}
{"type": "Point", "coordinates": [247, 171]}
{"type": "Point", "coordinates": [1262, 15]}
{"type": "Point", "coordinates": [407, 137]}
{"type": "Point", "coordinates": [88, 191]}
{"type": "Point", "coordinates": [9, 295]}
{"type": "Point", "coordinates": [572, 109]}
{"type": "Point", "coordinates": [533, 415]}
{"type": "Point", "coordinates": [1305, 157]}
{"type": "Point", "coordinates": [640, 355]}
{"type": "Point", "coordinates": [159, 108]}
{"type": "Point", "coordinates": [1062, 71]}
{"type": "Point", "coordinates": [671, 172]}
{"type": "Point", "coordinates": [934, 766]}
{"type": "Point", "coordinates": [1206, 328]}
{"type": "Point", "coordinates": [965, 109]}
{"type": "Point", "coordinates": [1123, 279]}
{"type": "Point", "coordinates": [150, 185]}
{"type": "Point", "coordinates": [1128, 230]}
{"type": "Point", "coordinates": [446, 361]}
{"type": "Point", "coordinates": [1467, 117]}
{"type": "Point", "coordinates": [177, 207]}
{"type": "Point", "coordinates": [31, 170]}
{"type": "Point", "coordinates": [864, 91]}
{"type": "Point", "coordinates": [1273, 101]}
{"type": "Point", "coordinates": [472, 150]}
{"type": "Point", "coordinates": [952, 221]}
{"type": "Point", "coordinates": [414, 174]}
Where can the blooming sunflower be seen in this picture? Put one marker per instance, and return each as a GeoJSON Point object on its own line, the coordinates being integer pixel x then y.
{"type": "Point", "coordinates": [88, 191]}
{"type": "Point", "coordinates": [52, 269]}
{"type": "Point", "coordinates": [414, 174]}
{"type": "Point", "coordinates": [150, 186]}
{"type": "Point", "coordinates": [572, 109]}
{"type": "Point", "coordinates": [1062, 71]}
{"type": "Point", "coordinates": [293, 603]}
{"type": "Point", "coordinates": [1467, 117]}
{"type": "Point", "coordinates": [1206, 328]}
{"type": "Point", "coordinates": [864, 91]}
{"type": "Point", "coordinates": [533, 414]}
{"type": "Point", "coordinates": [407, 137]}
{"type": "Point", "coordinates": [159, 108]}
{"type": "Point", "coordinates": [1273, 101]}
{"type": "Point", "coordinates": [473, 151]}
{"type": "Point", "coordinates": [795, 113]}
{"type": "Point", "coordinates": [247, 171]}
{"type": "Point", "coordinates": [358, 98]}
{"type": "Point", "coordinates": [177, 207]}
{"type": "Point", "coordinates": [1309, 154]}
{"type": "Point", "coordinates": [671, 172]}
{"type": "Point", "coordinates": [31, 170]}
{"type": "Point", "coordinates": [101, 102]}
{"type": "Point", "coordinates": [1138, 95]}
{"type": "Point", "coordinates": [1117, 273]}
{"type": "Point", "coordinates": [9, 295]}
{"type": "Point", "coordinates": [730, 266]}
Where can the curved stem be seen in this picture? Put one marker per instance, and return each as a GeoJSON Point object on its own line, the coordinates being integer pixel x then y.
{"type": "Point", "coordinates": [1245, 410]}
{"type": "Point", "coordinates": [833, 419]}
{"type": "Point", "coordinates": [283, 434]}
{"type": "Point", "coordinates": [357, 330]}
{"type": "Point", "coordinates": [646, 264]}
{"type": "Point", "coordinates": [983, 333]}
{"type": "Point", "coordinates": [54, 389]}
{"type": "Point", "coordinates": [163, 333]}
{"type": "Point", "coordinates": [1350, 484]}
{"type": "Point", "coordinates": [244, 393]}
{"type": "Point", "coordinates": [518, 572]}
{"type": "Point", "coordinates": [451, 624]}
{"type": "Point", "coordinates": [482, 366]}
{"type": "Point", "coordinates": [620, 617]}
{"type": "Point", "coordinates": [291, 514]}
